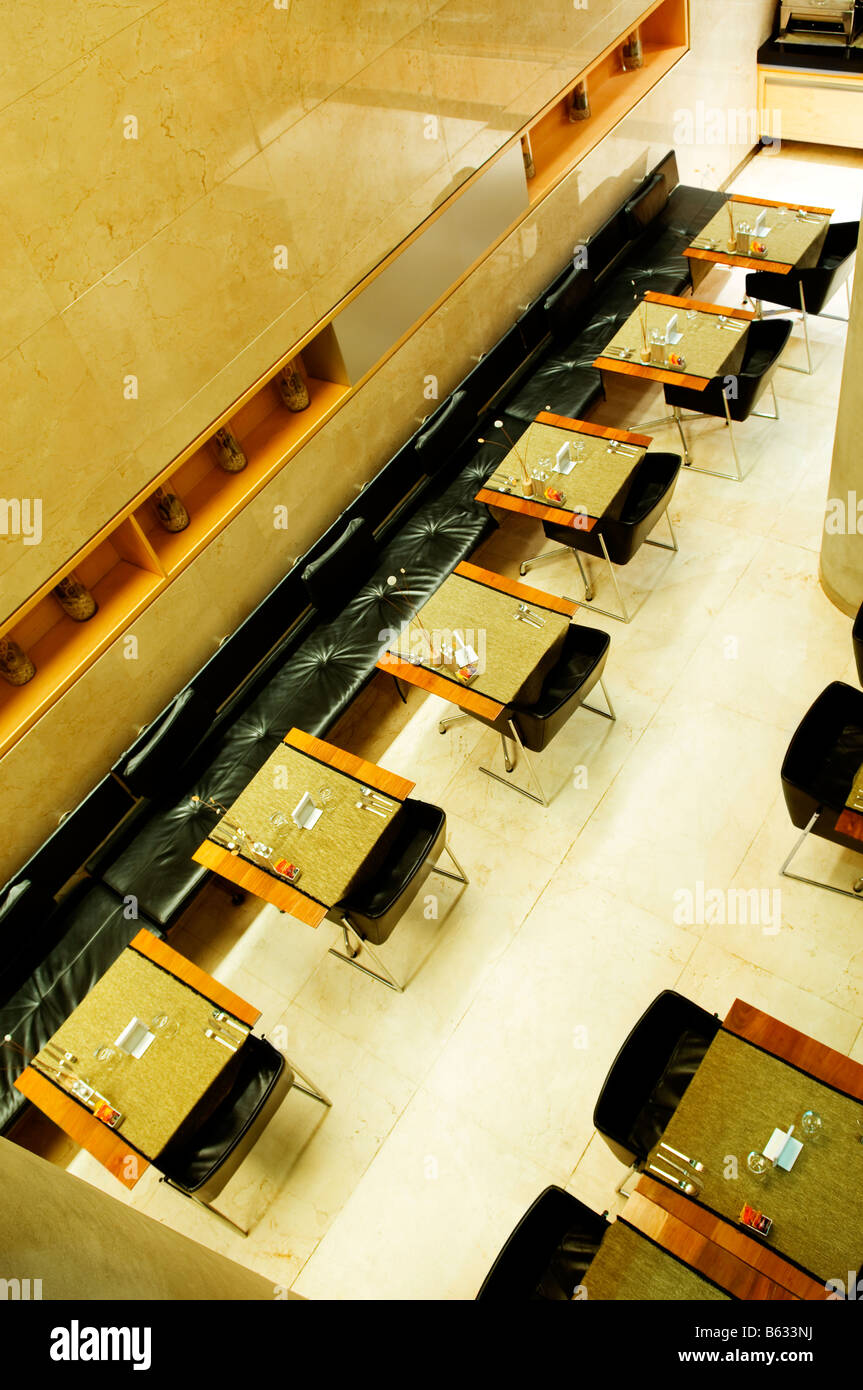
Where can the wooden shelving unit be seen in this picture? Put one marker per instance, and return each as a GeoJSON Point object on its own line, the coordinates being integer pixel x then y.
{"type": "Point", "coordinates": [133, 559]}
{"type": "Point", "coordinates": [558, 143]}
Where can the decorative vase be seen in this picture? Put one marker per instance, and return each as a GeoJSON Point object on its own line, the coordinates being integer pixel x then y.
{"type": "Point", "coordinates": [170, 511]}
{"type": "Point", "coordinates": [527, 156]}
{"type": "Point", "coordinates": [632, 54]}
{"type": "Point", "coordinates": [229, 455]}
{"type": "Point", "coordinates": [578, 107]}
{"type": "Point", "coordinates": [15, 665]}
{"type": "Point", "coordinates": [292, 388]}
{"type": "Point", "coordinates": [75, 598]}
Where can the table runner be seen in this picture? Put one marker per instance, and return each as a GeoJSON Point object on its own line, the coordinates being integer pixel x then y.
{"type": "Point", "coordinates": [630, 1266]}
{"type": "Point", "coordinates": [789, 242]}
{"type": "Point", "coordinates": [708, 349]}
{"type": "Point", "coordinates": [516, 655]}
{"type": "Point", "coordinates": [596, 485]}
{"type": "Point", "coordinates": [156, 1092]}
{"type": "Point", "coordinates": [344, 842]}
{"type": "Point", "coordinates": [854, 800]}
{"type": "Point", "coordinates": [737, 1097]}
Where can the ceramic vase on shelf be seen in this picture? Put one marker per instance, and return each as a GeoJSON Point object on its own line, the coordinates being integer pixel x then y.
{"type": "Point", "coordinates": [527, 156]}
{"type": "Point", "coordinates": [292, 388]}
{"type": "Point", "coordinates": [170, 510]}
{"type": "Point", "coordinates": [632, 54]}
{"type": "Point", "coordinates": [15, 665]}
{"type": "Point", "coordinates": [75, 598]}
{"type": "Point", "coordinates": [229, 455]}
{"type": "Point", "coordinates": [578, 104]}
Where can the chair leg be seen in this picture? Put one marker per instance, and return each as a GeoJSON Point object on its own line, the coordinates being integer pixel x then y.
{"type": "Point", "coordinates": [588, 591]}
{"type": "Point", "coordinates": [687, 459]}
{"type": "Point", "coordinates": [763, 414]}
{"type": "Point", "coordinates": [522, 791]}
{"type": "Point", "coordinates": [402, 695]}
{"type": "Point", "coordinates": [310, 1089]}
{"type": "Point", "coordinates": [629, 1176]}
{"type": "Point", "coordinates": [807, 370]}
{"type": "Point", "coordinates": [460, 877]}
{"type": "Point", "coordinates": [381, 974]}
{"type": "Point", "coordinates": [508, 762]}
{"type": "Point", "coordinates": [610, 714]}
{"type": "Point", "coordinates": [538, 559]}
{"type": "Point", "coordinates": [444, 724]}
{"type": "Point", "coordinates": [855, 892]}
{"type": "Point", "coordinates": [663, 545]}
{"type": "Point", "coordinates": [219, 1215]}
{"type": "Point", "coordinates": [623, 616]}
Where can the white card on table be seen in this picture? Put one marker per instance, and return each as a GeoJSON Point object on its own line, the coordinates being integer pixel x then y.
{"type": "Point", "coordinates": [305, 814]}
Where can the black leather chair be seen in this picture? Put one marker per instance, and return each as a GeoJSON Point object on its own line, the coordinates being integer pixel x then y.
{"type": "Point", "coordinates": [371, 911]}
{"type": "Point", "coordinates": [202, 1165]}
{"type": "Point", "coordinates": [548, 1253]}
{"type": "Point", "coordinates": [857, 640]}
{"type": "Point", "coordinates": [532, 727]}
{"type": "Point", "coordinates": [650, 1074]}
{"type": "Point", "coordinates": [765, 342]}
{"type": "Point", "coordinates": [616, 538]}
{"type": "Point", "coordinates": [818, 773]}
{"type": "Point", "coordinates": [810, 290]}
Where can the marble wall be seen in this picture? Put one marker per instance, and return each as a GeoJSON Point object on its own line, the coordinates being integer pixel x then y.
{"type": "Point", "coordinates": [302, 126]}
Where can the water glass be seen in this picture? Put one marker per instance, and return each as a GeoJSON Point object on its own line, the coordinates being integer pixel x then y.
{"type": "Point", "coordinates": [811, 1123]}
{"type": "Point", "coordinates": [757, 1163]}
{"type": "Point", "coordinates": [164, 1026]}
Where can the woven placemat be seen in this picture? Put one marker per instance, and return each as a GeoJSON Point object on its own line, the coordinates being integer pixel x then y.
{"type": "Point", "coordinates": [790, 240]}
{"type": "Point", "coordinates": [736, 1099]}
{"type": "Point", "coordinates": [596, 485]}
{"type": "Point", "coordinates": [630, 1266]}
{"type": "Point", "coordinates": [708, 348]}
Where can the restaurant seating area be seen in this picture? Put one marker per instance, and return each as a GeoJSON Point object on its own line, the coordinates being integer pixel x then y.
{"type": "Point", "coordinates": [547, 1025]}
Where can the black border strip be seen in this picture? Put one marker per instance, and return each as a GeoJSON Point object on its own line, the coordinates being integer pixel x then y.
{"type": "Point", "coordinates": [686, 1265]}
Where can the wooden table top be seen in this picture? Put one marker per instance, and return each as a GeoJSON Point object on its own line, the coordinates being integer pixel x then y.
{"type": "Point", "coordinates": [809, 248]}
{"type": "Point", "coordinates": [807, 1055]}
{"type": "Point", "coordinates": [471, 701]}
{"type": "Point", "coordinates": [561, 516]}
{"type": "Point", "coordinates": [661, 374]}
{"type": "Point", "coordinates": [286, 896]}
{"type": "Point", "coordinates": [126, 1163]}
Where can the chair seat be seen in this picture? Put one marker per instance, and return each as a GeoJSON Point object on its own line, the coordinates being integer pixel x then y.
{"type": "Point", "coordinates": [573, 676]}
{"type": "Point", "coordinates": [195, 1164]}
{"type": "Point", "coordinates": [375, 908]}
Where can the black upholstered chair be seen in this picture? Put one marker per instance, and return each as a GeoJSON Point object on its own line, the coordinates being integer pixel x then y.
{"type": "Point", "coordinates": [650, 1074]}
{"type": "Point", "coordinates": [818, 773]}
{"type": "Point", "coordinates": [532, 727]}
{"type": "Point", "coordinates": [548, 1253]}
{"type": "Point", "coordinates": [809, 290]}
{"type": "Point", "coordinates": [616, 539]}
{"type": "Point", "coordinates": [765, 342]}
{"type": "Point", "coordinates": [857, 640]}
{"type": "Point", "coordinates": [202, 1165]}
{"type": "Point", "coordinates": [371, 911]}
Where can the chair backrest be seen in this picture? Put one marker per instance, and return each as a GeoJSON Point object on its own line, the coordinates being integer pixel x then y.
{"type": "Point", "coordinates": [448, 428]}
{"type": "Point", "coordinates": [646, 204]}
{"type": "Point", "coordinates": [556, 1215]}
{"type": "Point", "coordinates": [79, 834]}
{"type": "Point", "coordinates": [334, 576]}
{"type": "Point", "coordinates": [639, 1066]}
{"type": "Point", "coordinates": [561, 308]}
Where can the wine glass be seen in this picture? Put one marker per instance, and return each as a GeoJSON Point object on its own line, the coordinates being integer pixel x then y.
{"type": "Point", "coordinates": [811, 1123]}
{"type": "Point", "coordinates": [164, 1026]}
{"type": "Point", "coordinates": [107, 1057]}
{"type": "Point", "coordinates": [757, 1163]}
{"type": "Point", "coordinates": [326, 795]}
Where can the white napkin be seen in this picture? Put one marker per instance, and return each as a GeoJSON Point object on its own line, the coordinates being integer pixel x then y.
{"type": "Point", "coordinates": [305, 814]}
{"type": "Point", "coordinates": [671, 334]}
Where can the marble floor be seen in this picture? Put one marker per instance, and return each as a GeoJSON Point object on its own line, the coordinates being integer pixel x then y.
{"type": "Point", "coordinates": [455, 1103]}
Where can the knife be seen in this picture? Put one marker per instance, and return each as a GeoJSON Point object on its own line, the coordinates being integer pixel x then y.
{"type": "Point", "coordinates": [690, 1188]}
{"type": "Point", "coordinates": [211, 1033]}
{"type": "Point", "coordinates": [693, 1162]}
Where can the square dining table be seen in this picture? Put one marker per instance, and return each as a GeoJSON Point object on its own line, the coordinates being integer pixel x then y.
{"type": "Point", "coordinates": [713, 342]}
{"type": "Point", "coordinates": [345, 845]}
{"type": "Point", "coordinates": [760, 1074]}
{"type": "Point", "coordinates": [172, 1086]}
{"type": "Point", "coordinates": [595, 486]}
{"type": "Point", "coordinates": [484, 608]}
{"type": "Point", "coordinates": [795, 237]}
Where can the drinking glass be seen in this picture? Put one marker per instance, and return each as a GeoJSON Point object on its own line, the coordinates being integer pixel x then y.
{"type": "Point", "coordinates": [811, 1123]}
{"type": "Point", "coordinates": [757, 1163]}
{"type": "Point", "coordinates": [326, 795]}
{"type": "Point", "coordinates": [164, 1026]}
{"type": "Point", "coordinates": [107, 1057]}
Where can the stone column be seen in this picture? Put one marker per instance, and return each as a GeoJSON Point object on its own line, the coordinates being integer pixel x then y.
{"type": "Point", "coordinates": [82, 1244]}
{"type": "Point", "coordinates": [842, 541]}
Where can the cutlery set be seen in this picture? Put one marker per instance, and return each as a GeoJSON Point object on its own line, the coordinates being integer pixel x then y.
{"type": "Point", "coordinates": [221, 1033]}
{"type": "Point", "coordinates": [376, 803]}
{"type": "Point", "coordinates": [527, 615]}
{"type": "Point", "coordinates": [685, 1176]}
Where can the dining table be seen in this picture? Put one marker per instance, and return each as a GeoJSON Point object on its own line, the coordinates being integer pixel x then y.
{"type": "Point", "coordinates": [305, 862]}
{"type": "Point", "coordinates": [764, 1085]}
{"type": "Point", "coordinates": [630, 1266]}
{"type": "Point", "coordinates": [712, 342]}
{"type": "Point", "coordinates": [147, 1055]}
{"type": "Point", "coordinates": [518, 631]}
{"type": "Point", "coordinates": [794, 237]}
{"type": "Point", "coordinates": [591, 481]}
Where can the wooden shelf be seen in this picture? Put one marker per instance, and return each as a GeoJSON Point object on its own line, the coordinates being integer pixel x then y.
{"type": "Point", "coordinates": [61, 648]}
{"type": "Point", "coordinates": [558, 144]}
